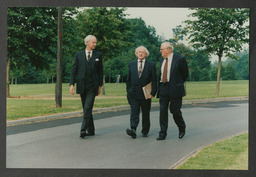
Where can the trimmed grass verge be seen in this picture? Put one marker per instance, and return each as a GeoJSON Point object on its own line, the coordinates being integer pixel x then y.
{"type": "Point", "coordinates": [231, 154]}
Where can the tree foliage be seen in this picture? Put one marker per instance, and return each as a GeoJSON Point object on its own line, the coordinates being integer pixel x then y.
{"type": "Point", "coordinates": [32, 42]}
{"type": "Point", "coordinates": [218, 31]}
{"type": "Point", "coordinates": [108, 25]}
{"type": "Point", "coordinates": [141, 34]}
{"type": "Point", "coordinates": [31, 34]}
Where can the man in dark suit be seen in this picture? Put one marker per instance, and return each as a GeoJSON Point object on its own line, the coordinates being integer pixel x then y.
{"type": "Point", "coordinates": [87, 72]}
{"type": "Point", "coordinates": [173, 72]}
{"type": "Point", "coordinates": [141, 73]}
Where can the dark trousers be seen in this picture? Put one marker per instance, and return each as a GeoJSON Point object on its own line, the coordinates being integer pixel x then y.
{"type": "Point", "coordinates": [174, 105]}
{"type": "Point", "coordinates": [87, 99]}
{"type": "Point", "coordinates": [136, 105]}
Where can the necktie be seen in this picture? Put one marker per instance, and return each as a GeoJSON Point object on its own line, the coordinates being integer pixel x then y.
{"type": "Point", "coordinates": [89, 56]}
{"type": "Point", "coordinates": [164, 79]}
{"type": "Point", "coordinates": [140, 69]}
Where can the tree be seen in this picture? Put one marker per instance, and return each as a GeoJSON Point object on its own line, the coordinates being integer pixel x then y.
{"type": "Point", "coordinates": [230, 72]}
{"type": "Point", "coordinates": [242, 65]}
{"type": "Point", "coordinates": [110, 28]}
{"type": "Point", "coordinates": [15, 75]}
{"type": "Point", "coordinates": [219, 31]}
{"type": "Point", "coordinates": [141, 34]}
{"type": "Point", "coordinates": [31, 33]}
{"type": "Point", "coordinates": [198, 61]}
{"type": "Point", "coordinates": [58, 88]}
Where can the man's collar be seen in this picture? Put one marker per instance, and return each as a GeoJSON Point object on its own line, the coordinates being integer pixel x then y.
{"type": "Point", "coordinates": [142, 60]}
{"type": "Point", "coordinates": [88, 51]}
{"type": "Point", "coordinates": [170, 56]}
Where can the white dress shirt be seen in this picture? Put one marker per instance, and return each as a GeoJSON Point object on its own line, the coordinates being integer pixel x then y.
{"type": "Point", "coordinates": [87, 52]}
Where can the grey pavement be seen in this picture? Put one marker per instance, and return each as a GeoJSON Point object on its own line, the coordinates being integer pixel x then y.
{"type": "Point", "coordinates": [111, 148]}
{"type": "Point", "coordinates": [111, 109]}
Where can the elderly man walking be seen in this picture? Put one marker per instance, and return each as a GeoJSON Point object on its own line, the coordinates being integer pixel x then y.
{"type": "Point", "coordinates": [87, 72]}
{"type": "Point", "coordinates": [141, 73]}
{"type": "Point", "coordinates": [173, 73]}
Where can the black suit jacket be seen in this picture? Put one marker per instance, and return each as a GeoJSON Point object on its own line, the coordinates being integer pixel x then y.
{"type": "Point", "coordinates": [178, 75]}
{"type": "Point", "coordinates": [134, 84]}
{"type": "Point", "coordinates": [78, 71]}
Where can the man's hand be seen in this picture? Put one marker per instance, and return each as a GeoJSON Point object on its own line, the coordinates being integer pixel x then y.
{"type": "Point", "coordinates": [71, 89]}
{"type": "Point", "coordinates": [150, 96]}
{"type": "Point", "coordinates": [99, 90]}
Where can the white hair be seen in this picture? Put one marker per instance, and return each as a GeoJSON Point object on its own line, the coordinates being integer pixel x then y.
{"type": "Point", "coordinates": [88, 38]}
{"type": "Point", "coordinates": [168, 45]}
{"type": "Point", "coordinates": [145, 49]}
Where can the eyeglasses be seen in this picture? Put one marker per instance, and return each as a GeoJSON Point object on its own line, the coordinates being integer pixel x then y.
{"type": "Point", "coordinates": [163, 49]}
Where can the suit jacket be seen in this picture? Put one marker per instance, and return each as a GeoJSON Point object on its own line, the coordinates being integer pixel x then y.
{"type": "Point", "coordinates": [178, 75]}
{"type": "Point", "coordinates": [134, 84]}
{"type": "Point", "coordinates": [78, 71]}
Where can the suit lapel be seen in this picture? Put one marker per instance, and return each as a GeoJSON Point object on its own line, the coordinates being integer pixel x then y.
{"type": "Point", "coordinates": [136, 69]}
{"type": "Point", "coordinates": [173, 65]}
{"type": "Point", "coordinates": [160, 69]}
{"type": "Point", "coordinates": [145, 68]}
{"type": "Point", "coordinates": [83, 58]}
{"type": "Point", "coordinates": [93, 58]}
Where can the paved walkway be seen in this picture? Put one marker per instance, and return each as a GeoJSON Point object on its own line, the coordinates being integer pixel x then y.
{"type": "Point", "coordinates": [117, 108]}
{"type": "Point", "coordinates": [59, 146]}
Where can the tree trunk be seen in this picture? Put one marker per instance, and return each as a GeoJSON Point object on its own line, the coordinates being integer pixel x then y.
{"type": "Point", "coordinates": [8, 78]}
{"type": "Point", "coordinates": [218, 77]}
{"type": "Point", "coordinates": [58, 91]}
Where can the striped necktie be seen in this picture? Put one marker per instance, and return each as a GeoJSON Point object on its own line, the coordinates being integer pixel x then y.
{"type": "Point", "coordinates": [140, 69]}
{"type": "Point", "coordinates": [89, 56]}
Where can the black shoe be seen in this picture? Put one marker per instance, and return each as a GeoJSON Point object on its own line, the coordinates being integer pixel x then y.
{"type": "Point", "coordinates": [181, 134]}
{"type": "Point", "coordinates": [144, 135]}
{"type": "Point", "coordinates": [82, 134]}
{"type": "Point", "coordinates": [90, 134]}
{"type": "Point", "coordinates": [131, 132]}
{"type": "Point", "coordinates": [159, 138]}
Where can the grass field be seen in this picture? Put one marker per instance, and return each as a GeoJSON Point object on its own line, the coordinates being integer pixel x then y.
{"type": "Point", "coordinates": [30, 100]}
{"type": "Point", "coordinates": [229, 154]}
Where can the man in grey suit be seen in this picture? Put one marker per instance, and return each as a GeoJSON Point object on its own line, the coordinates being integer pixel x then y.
{"type": "Point", "coordinates": [87, 72]}
{"type": "Point", "coordinates": [141, 72]}
{"type": "Point", "coordinates": [173, 72]}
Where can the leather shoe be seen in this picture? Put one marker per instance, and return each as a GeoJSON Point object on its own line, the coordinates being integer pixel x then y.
{"type": "Point", "coordinates": [90, 134]}
{"type": "Point", "coordinates": [159, 138]}
{"type": "Point", "coordinates": [131, 132]}
{"type": "Point", "coordinates": [181, 134]}
{"type": "Point", "coordinates": [144, 135]}
{"type": "Point", "coordinates": [82, 134]}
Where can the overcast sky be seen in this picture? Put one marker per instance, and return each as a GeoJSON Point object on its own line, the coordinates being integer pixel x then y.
{"type": "Point", "coordinates": [162, 19]}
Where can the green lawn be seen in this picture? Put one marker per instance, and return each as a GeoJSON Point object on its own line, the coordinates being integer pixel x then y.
{"type": "Point", "coordinates": [30, 100]}
{"type": "Point", "coordinates": [229, 154]}
{"type": "Point", "coordinates": [202, 90]}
